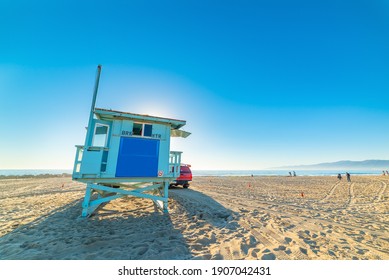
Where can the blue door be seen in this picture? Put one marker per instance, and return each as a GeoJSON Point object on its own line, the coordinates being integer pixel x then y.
{"type": "Point", "coordinates": [138, 157]}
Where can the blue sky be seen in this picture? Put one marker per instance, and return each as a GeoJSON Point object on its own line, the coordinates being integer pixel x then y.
{"type": "Point", "coordinates": [260, 83]}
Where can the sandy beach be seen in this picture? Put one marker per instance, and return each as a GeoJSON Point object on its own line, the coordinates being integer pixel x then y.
{"type": "Point", "coordinates": [230, 218]}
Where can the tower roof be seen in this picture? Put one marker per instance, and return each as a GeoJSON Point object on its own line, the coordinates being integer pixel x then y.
{"type": "Point", "coordinates": [105, 114]}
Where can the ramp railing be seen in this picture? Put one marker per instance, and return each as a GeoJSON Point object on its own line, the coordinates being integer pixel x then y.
{"type": "Point", "coordinates": [174, 164]}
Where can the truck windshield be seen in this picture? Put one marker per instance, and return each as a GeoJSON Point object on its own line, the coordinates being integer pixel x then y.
{"type": "Point", "coordinates": [185, 169]}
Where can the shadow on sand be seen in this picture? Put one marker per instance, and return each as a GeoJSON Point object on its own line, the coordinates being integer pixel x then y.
{"type": "Point", "coordinates": [117, 233]}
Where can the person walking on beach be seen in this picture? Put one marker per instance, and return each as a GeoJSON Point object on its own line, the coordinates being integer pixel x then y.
{"type": "Point", "coordinates": [387, 173]}
{"type": "Point", "coordinates": [383, 173]}
{"type": "Point", "coordinates": [294, 174]}
{"type": "Point", "coordinates": [290, 174]}
{"type": "Point", "coordinates": [348, 177]}
{"type": "Point", "coordinates": [339, 176]}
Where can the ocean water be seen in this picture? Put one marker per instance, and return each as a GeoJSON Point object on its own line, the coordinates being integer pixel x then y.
{"type": "Point", "coordinates": [19, 172]}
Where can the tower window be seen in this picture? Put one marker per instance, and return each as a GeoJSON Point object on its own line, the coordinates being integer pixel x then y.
{"type": "Point", "coordinates": [140, 129]}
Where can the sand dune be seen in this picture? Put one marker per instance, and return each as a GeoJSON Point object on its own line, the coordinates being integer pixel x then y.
{"type": "Point", "coordinates": [216, 218]}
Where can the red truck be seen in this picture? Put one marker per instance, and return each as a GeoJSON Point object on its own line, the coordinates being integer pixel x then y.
{"type": "Point", "coordinates": [185, 176]}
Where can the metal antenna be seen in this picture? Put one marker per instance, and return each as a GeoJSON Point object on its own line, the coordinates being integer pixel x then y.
{"type": "Point", "coordinates": [92, 109]}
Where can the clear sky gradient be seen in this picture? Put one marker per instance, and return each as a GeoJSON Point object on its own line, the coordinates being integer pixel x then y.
{"type": "Point", "coordinates": [260, 83]}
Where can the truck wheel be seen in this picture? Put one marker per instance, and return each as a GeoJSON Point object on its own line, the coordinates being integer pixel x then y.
{"type": "Point", "coordinates": [186, 186]}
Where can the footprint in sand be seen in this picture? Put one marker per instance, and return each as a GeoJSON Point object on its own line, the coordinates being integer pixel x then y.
{"type": "Point", "coordinates": [310, 242]}
{"type": "Point", "coordinates": [254, 253]}
{"type": "Point", "coordinates": [288, 251]}
{"type": "Point", "coordinates": [288, 240]}
{"type": "Point", "coordinates": [204, 241]}
{"type": "Point", "coordinates": [303, 250]}
{"type": "Point", "coordinates": [362, 251]}
{"type": "Point", "coordinates": [331, 253]}
{"type": "Point", "coordinates": [142, 250]}
{"type": "Point", "coordinates": [196, 246]}
{"type": "Point", "coordinates": [268, 255]}
{"type": "Point", "coordinates": [289, 227]}
{"type": "Point", "coordinates": [280, 248]}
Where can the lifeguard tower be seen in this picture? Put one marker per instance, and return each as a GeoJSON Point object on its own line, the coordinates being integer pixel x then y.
{"type": "Point", "coordinates": [126, 154]}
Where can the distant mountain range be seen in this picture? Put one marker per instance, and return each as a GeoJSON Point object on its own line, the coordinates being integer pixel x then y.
{"type": "Point", "coordinates": [344, 164]}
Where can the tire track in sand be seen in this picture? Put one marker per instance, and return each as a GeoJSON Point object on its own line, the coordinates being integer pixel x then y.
{"type": "Point", "coordinates": [381, 192]}
{"type": "Point", "coordinates": [265, 239]}
{"type": "Point", "coordinates": [262, 239]}
{"type": "Point", "coordinates": [351, 196]}
{"type": "Point", "coordinates": [232, 201]}
{"type": "Point", "coordinates": [330, 193]}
